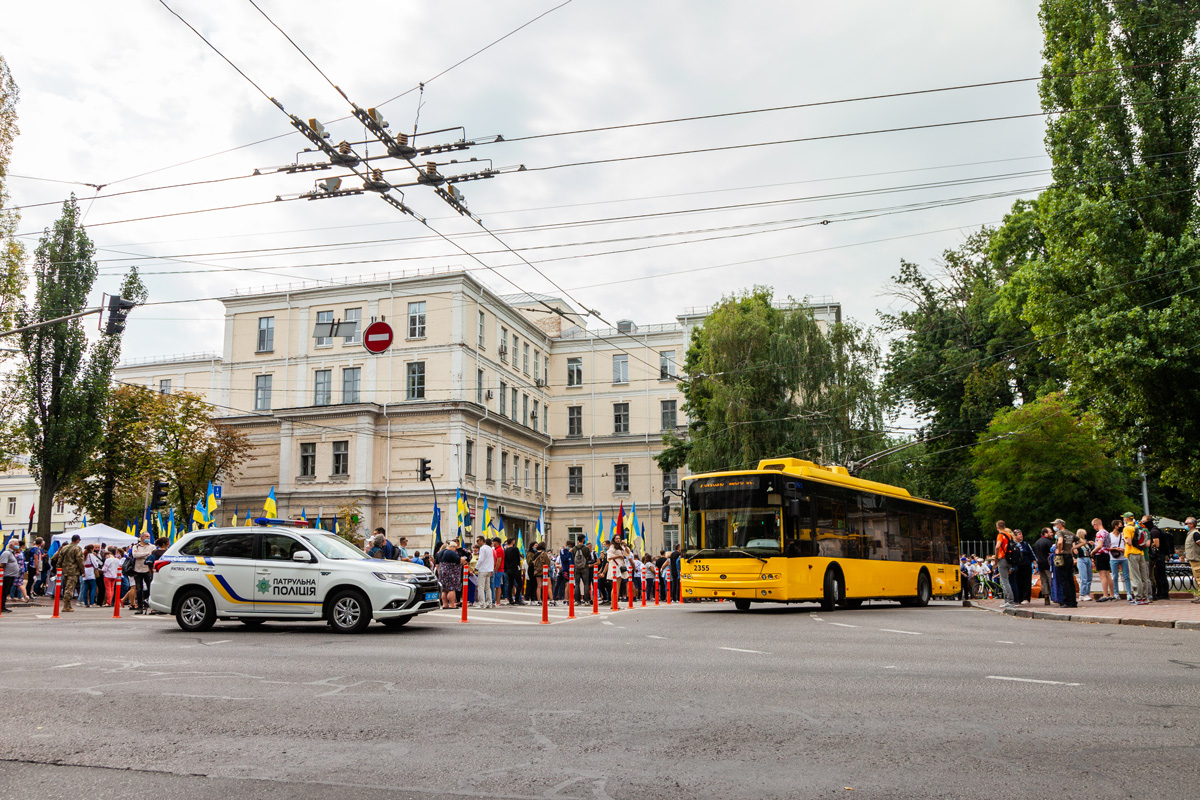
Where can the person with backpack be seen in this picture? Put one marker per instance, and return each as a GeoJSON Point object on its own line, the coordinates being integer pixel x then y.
{"type": "Point", "coordinates": [1064, 565]}
{"type": "Point", "coordinates": [1191, 551]}
{"type": "Point", "coordinates": [1137, 542]}
{"type": "Point", "coordinates": [582, 555]}
{"type": "Point", "coordinates": [1162, 546]}
{"type": "Point", "coordinates": [565, 560]}
{"type": "Point", "coordinates": [1004, 544]}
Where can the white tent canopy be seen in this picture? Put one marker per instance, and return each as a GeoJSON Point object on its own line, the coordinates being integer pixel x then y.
{"type": "Point", "coordinates": [97, 534]}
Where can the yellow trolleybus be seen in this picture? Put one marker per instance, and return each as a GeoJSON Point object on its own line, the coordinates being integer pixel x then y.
{"type": "Point", "coordinates": [793, 532]}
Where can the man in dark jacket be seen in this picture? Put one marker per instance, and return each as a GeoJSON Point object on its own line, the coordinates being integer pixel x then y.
{"type": "Point", "coordinates": [1022, 578]}
{"type": "Point", "coordinates": [582, 555]}
{"type": "Point", "coordinates": [1042, 549]}
{"type": "Point", "coordinates": [1162, 546]}
{"type": "Point", "coordinates": [512, 572]}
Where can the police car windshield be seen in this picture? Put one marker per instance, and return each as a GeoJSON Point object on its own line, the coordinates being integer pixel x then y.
{"type": "Point", "coordinates": [334, 547]}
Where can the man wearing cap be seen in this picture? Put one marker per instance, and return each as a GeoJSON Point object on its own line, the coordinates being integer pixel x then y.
{"type": "Point", "coordinates": [1191, 551]}
{"type": "Point", "coordinates": [70, 561]}
{"type": "Point", "coordinates": [1064, 565]}
{"type": "Point", "coordinates": [1137, 542]}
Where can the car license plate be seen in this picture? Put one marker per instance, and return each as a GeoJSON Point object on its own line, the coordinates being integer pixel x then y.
{"type": "Point", "coordinates": [431, 596]}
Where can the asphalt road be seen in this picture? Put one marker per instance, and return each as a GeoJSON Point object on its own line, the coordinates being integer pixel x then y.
{"type": "Point", "coordinates": [695, 701]}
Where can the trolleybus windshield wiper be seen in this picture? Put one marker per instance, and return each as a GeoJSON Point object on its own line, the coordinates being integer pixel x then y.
{"type": "Point", "coordinates": [697, 554]}
{"type": "Point", "coordinates": [751, 555]}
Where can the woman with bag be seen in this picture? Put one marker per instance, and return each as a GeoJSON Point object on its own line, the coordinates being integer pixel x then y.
{"type": "Point", "coordinates": [1117, 560]}
{"type": "Point", "coordinates": [618, 570]}
{"type": "Point", "coordinates": [112, 576]}
{"type": "Point", "coordinates": [1083, 560]}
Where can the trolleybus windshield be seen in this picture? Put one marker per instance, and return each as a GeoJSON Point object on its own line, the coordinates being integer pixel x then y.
{"type": "Point", "coordinates": [735, 513]}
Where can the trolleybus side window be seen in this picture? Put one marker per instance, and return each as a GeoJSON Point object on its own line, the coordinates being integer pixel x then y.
{"type": "Point", "coordinates": [831, 527]}
{"type": "Point", "coordinates": [922, 537]}
{"type": "Point", "coordinates": [854, 538]}
{"type": "Point", "coordinates": [899, 541]}
{"type": "Point", "coordinates": [874, 527]}
{"type": "Point", "coordinates": [798, 528]}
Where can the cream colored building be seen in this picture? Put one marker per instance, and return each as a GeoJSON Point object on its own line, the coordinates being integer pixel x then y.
{"type": "Point", "coordinates": [19, 494]}
{"type": "Point", "coordinates": [510, 397]}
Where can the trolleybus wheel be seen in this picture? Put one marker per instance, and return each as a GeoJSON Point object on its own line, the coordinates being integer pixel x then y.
{"type": "Point", "coordinates": [834, 593]}
{"type": "Point", "coordinates": [741, 605]}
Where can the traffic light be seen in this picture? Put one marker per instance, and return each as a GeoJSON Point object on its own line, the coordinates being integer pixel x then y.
{"type": "Point", "coordinates": [158, 495]}
{"type": "Point", "coordinates": [424, 469]}
{"type": "Point", "coordinates": [666, 508]}
{"type": "Point", "coordinates": [118, 310]}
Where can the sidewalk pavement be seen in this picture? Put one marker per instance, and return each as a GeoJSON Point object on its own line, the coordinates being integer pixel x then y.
{"type": "Point", "coordinates": [1159, 614]}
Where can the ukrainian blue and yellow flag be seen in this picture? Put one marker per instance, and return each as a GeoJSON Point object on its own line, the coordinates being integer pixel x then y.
{"type": "Point", "coordinates": [200, 515]}
{"type": "Point", "coordinates": [233, 522]}
{"type": "Point", "coordinates": [172, 534]}
{"type": "Point", "coordinates": [211, 504]}
{"type": "Point", "coordinates": [599, 526]}
{"type": "Point", "coordinates": [487, 517]}
{"type": "Point", "coordinates": [270, 508]}
{"type": "Point", "coordinates": [304, 514]}
{"type": "Point", "coordinates": [541, 528]}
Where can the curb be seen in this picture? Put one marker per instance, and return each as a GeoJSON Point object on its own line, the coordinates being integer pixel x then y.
{"type": "Point", "coordinates": [1188, 625]}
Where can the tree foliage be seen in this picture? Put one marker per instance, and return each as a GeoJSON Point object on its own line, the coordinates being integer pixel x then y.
{"type": "Point", "coordinates": [962, 352]}
{"type": "Point", "coordinates": [1042, 461]}
{"type": "Point", "coordinates": [12, 259]}
{"type": "Point", "coordinates": [1114, 297]}
{"type": "Point", "coordinates": [64, 382]}
{"type": "Point", "coordinates": [192, 448]}
{"type": "Point", "coordinates": [764, 381]}
{"type": "Point", "coordinates": [111, 486]}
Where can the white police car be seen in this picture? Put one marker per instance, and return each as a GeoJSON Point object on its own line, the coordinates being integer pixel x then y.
{"type": "Point", "coordinates": [276, 572]}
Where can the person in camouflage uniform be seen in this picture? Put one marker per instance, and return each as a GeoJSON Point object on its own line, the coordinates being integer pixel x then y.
{"type": "Point", "coordinates": [70, 561]}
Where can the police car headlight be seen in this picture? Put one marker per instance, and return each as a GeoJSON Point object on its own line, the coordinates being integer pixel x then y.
{"type": "Point", "coordinates": [396, 577]}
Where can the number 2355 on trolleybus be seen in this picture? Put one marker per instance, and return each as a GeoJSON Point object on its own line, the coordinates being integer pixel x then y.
{"type": "Point", "coordinates": [791, 531]}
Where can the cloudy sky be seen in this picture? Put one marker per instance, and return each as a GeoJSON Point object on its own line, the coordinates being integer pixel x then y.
{"type": "Point", "coordinates": [125, 96]}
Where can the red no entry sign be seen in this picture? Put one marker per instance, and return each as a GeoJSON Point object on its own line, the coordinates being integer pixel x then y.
{"type": "Point", "coordinates": [377, 337]}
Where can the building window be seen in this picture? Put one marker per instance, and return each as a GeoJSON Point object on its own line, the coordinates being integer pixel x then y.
{"type": "Point", "coordinates": [666, 365]}
{"type": "Point", "coordinates": [12, 506]}
{"type": "Point", "coordinates": [525, 410]}
{"type": "Point", "coordinates": [503, 399]}
{"type": "Point", "coordinates": [574, 480]}
{"type": "Point", "coordinates": [670, 536]}
{"type": "Point", "coordinates": [60, 507]}
{"type": "Point", "coordinates": [503, 468]}
{"type": "Point", "coordinates": [536, 482]}
{"type": "Point", "coordinates": [574, 420]}
{"type": "Point", "coordinates": [325, 317]}
{"type": "Point", "coordinates": [488, 464]}
{"type": "Point", "coordinates": [479, 386]}
{"type": "Point", "coordinates": [514, 404]}
{"type": "Point", "coordinates": [351, 384]}
{"type": "Point", "coordinates": [164, 386]}
{"type": "Point", "coordinates": [341, 458]}
{"type": "Point", "coordinates": [537, 364]}
{"type": "Point", "coordinates": [534, 416]}
{"type": "Point", "coordinates": [266, 334]}
{"type": "Point", "coordinates": [621, 368]}
{"type": "Point", "coordinates": [525, 358]}
{"type": "Point", "coordinates": [526, 484]}
{"type": "Point", "coordinates": [503, 344]}
{"type": "Point", "coordinates": [470, 457]}
{"type": "Point", "coordinates": [416, 381]}
{"type": "Point", "coordinates": [620, 477]}
{"type": "Point", "coordinates": [354, 317]}
{"type": "Point", "coordinates": [620, 417]}
{"type": "Point", "coordinates": [546, 419]}
{"type": "Point", "coordinates": [322, 387]}
{"type": "Point", "coordinates": [671, 480]}
{"type": "Point", "coordinates": [480, 330]}
{"type": "Point", "coordinates": [515, 350]}
{"type": "Point", "coordinates": [262, 392]}
{"type": "Point", "coordinates": [574, 372]}
{"type": "Point", "coordinates": [668, 415]}
{"type": "Point", "coordinates": [308, 460]}
{"type": "Point", "coordinates": [416, 320]}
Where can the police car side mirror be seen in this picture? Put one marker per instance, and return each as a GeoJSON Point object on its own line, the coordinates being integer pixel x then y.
{"type": "Point", "coordinates": [303, 556]}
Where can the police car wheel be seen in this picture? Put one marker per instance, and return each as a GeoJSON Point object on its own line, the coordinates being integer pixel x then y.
{"type": "Point", "coordinates": [349, 612]}
{"type": "Point", "coordinates": [196, 611]}
{"type": "Point", "coordinates": [397, 622]}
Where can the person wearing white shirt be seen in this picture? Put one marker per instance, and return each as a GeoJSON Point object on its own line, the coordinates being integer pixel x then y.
{"type": "Point", "coordinates": [484, 568]}
{"type": "Point", "coordinates": [618, 570]}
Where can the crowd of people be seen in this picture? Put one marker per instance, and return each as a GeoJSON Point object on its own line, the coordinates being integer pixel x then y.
{"type": "Point", "coordinates": [91, 574]}
{"type": "Point", "coordinates": [497, 571]}
{"type": "Point", "coordinates": [1129, 552]}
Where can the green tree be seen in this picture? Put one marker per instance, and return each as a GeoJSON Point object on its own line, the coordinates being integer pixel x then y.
{"type": "Point", "coordinates": [111, 485]}
{"type": "Point", "coordinates": [193, 448]}
{"type": "Point", "coordinates": [1115, 298]}
{"type": "Point", "coordinates": [64, 382]}
{"type": "Point", "coordinates": [961, 352]}
{"type": "Point", "coordinates": [1042, 461]}
{"type": "Point", "coordinates": [12, 259]}
{"type": "Point", "coordinates": [764, 381]}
